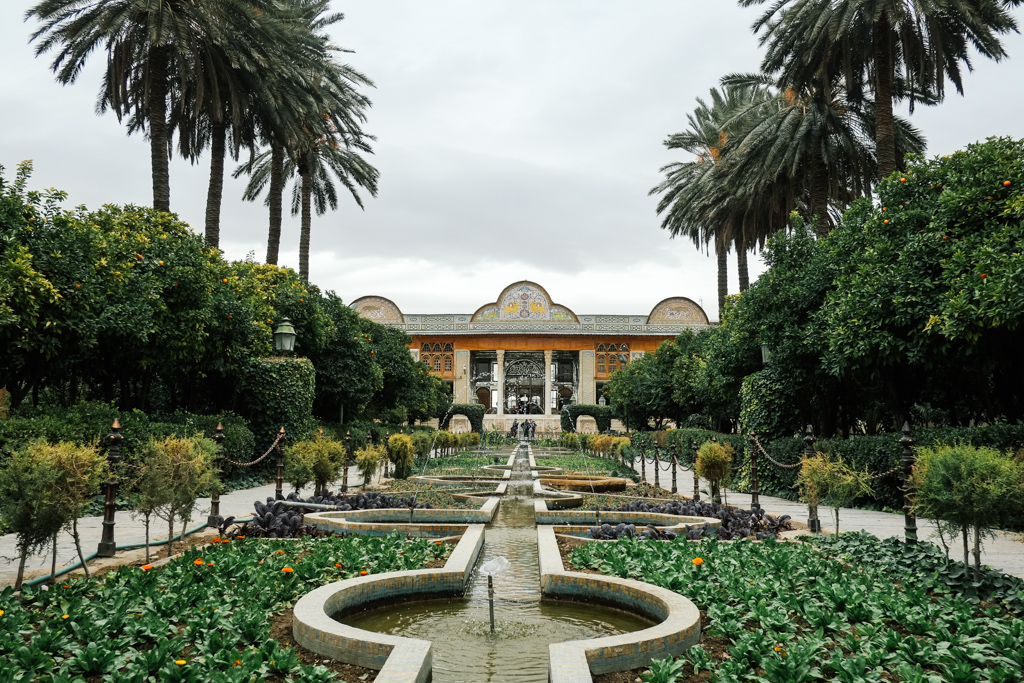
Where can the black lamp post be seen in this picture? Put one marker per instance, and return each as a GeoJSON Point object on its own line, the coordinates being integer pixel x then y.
{"type": "Point", "coordinates": [907, 462]}
{"type": "Point", "coordinates": [284, 336]}
{"type": "Point", "coordinates": [107, 546]}
{"type": "Point", "coordinates": [218, 437]}
{"type": "Point", "coordinates": [813, 523]}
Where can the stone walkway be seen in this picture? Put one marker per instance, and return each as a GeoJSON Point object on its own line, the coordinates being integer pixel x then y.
{"type": "Point", "coordinates": [1004, 552]}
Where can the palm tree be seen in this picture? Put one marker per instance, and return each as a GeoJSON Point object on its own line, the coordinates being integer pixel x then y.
{"type": "Point", "coordinates": [896, 48]}
{"type": "Point", "coordinates": [699, 203]}
{"type": "Point", "coordinates": [149, 45]}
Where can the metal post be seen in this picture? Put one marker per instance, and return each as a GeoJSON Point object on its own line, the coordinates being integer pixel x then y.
{"type": "Point", "coordinates": [813, 523]}
{"type": "Point", "coordinates": [348, 454]}
{"type": "Point", "coordinates": [755, 501]}
{"type": "Point", "coordinates": [490, 598]}
{"type": "Point", "coordinates": [657, 468]}
{"type": "Point", "coordinates": [907, 461]}
{"type": "Point", "coordinates": [696, 481]}
{"type": "Point", "coordinates": [387, 452]}
{"type": "Point", "coordinates": [218, 437]}
{"type": "Point", "coordinates": [643, 461]}
{"type": "Point", "coordinates": [279, 481]}
{"type": "Point", "coordinates": [107, 546]}
{"type": "Point", "coordinates": [675, 466]}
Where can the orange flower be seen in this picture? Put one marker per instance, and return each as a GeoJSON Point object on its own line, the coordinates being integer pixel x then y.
{"type": "Point", "coordinates": [198, 562]}
{"type": "Point", "coordinates": [215, 540]}
{"type": "Point", "coordinates": [225, 540]}
{"type": "Point", "coordinates": [287, 570]}
{"type": "Point", "coordinates": [984, 275]}
{"type": "Point", "coordinates": [209, 564]}
{"type": "Point", "coordinates": [238, 662]}
{"type": "Point", "coordinates": [241, 538]}
{"type": "Point", "coordinates": [280, 552]}
{"type": "Point", "coordinates": [67, 586]}
{"type": "Point", "coordinates": [698, 561]}
{"type": "Point", "coordinates": [338, 565]}
{"type": "Point", "coordinates": [363, 573]}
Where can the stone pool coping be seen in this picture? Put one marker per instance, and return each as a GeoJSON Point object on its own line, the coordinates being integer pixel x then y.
{"type": "Point", "coordinates": [677, 630]}
{"type": "Point", "coordinates": [399, 659]}
{"type": "Point", "coordinates": [573, 521]}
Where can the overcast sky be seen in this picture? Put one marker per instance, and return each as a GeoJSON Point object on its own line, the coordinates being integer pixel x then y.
{"type": "Point", "coordinates": [516, 140]}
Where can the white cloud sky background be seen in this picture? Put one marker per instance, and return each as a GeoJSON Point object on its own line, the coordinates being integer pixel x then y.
{"type": "Point", "coordinates": [516, 140]}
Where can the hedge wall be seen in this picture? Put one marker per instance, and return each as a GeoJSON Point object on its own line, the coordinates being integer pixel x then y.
{"type": "Point", "coordinates": [278, 392]}
{"type": "Point", "coordinates": [602, 414]}
{"type": "Point", "coordinates": [473, 411]}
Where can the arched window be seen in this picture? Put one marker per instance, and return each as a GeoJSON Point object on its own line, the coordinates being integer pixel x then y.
{"type": "Point", "coordinates": [610, 358]}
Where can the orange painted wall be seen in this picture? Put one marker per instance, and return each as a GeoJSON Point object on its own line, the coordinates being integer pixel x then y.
{"type": "Point", "coordinates": [522, 342]}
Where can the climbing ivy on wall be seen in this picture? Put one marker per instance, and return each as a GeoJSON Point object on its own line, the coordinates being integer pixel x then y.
{"type": "Point", "coordinates": [278, 392]}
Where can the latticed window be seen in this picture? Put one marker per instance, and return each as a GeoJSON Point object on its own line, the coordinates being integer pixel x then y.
{"type": "Point", "coordinates": [610, 357]}
{"type": "Point", "coordinates": [438, 355]}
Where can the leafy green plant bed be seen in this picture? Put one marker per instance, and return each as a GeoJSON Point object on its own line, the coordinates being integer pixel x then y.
{"type": "Point", "coordinates": [436, 496]}
{"type": "Point", "coordinates": [461, 466]}
{"type": "Point", "coordinates": [584, 464]}
{"type": "Point", "coordinates": [203, 617]}
{"type": "Point", "coordinates": [850, 608]}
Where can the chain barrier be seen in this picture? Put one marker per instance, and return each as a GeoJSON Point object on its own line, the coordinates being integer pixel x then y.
{"type": "Point", "coordinates": [770, 458]}
{"type": "Point", "coordinates": [259, 459]}
{"type": "Point", "coordinates": [894, 470]}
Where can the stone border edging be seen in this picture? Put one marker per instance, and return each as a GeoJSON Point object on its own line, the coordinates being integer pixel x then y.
{"type": "Point", "coordinates": [399, 659]}
{"type": "Point", "coordinates": [579, 518]}
{"type": "Point", "coordinates": [426, 523]}
{"type": "Point", "coordinates": [576, 661]}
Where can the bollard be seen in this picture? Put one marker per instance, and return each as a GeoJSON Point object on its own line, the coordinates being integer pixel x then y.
{"type": "Point", "coordinates": [643, 462]}
{"type": "Point", "coordinates": [348, 454]}
{"type": "Point", "coordinates": [107, 547]}
{"type": "Point", "coordinates": [813, 523]}
{"type": "Point", "coordinates": [218, 438]}
{"type": "Point", "coordinates": [675, 465]}
{"type": "Point", "coordinates": [387, 452]}
{"type": "Point", "coordinates": [907, 461]}
{"type": "Point", "coordinates": [696, 481]}
{"type": "Point", "coordinates": [657, 468]}
{"type": "Point", "coordinates": [279, 481]}
{"type": "Point", "coordinates": [755, 501]}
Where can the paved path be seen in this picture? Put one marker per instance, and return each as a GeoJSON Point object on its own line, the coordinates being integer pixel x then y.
{"type": "Point", "coordinates": [1004, 552]}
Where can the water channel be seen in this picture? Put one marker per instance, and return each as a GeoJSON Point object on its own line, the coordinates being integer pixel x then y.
{"type": "Point", "coordinates": [464, 649]}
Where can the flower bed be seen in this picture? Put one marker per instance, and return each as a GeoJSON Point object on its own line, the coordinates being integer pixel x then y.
{"type": "Point", "coordinates": [205, 616]}
{"type": "Point", "coordinates": [846, 608]}
{"type": "Point", "coordinates": [584, 464]}
{"type": "Point", "coordinates": [441, 497]}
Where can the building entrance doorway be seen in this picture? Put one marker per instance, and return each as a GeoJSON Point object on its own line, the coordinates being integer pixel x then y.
{"type": "Point", "coordinates": [524, 384]}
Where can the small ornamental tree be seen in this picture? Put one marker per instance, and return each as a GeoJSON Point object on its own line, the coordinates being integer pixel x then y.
{"type": "Point", "coordinates": [24, 507]}
{"type": "Point", "coordinates": [714, 463]}
{"type": "Point", "coordinates": [401, 451]}
{"type": "Point", "coordinates": [971, 488]}
{"type": "Point", "coordinates": [79, 472]}
{"type": "Point", "coordinates": [368, 461]}
{"type": "Point", "coordinates": [421, 442]}
{"type": "Point", "coordinates": [318, 460]}
{"type": "Point", "coordinates": [181, 469]}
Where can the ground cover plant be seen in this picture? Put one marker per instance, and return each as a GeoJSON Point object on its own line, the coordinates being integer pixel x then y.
{"type": "Point", "coordinates": [850, 608]}
{"type": "Point", "coordinates": [578, 462]}
{"type": "Point", "coordinates": [460, 466]}
{"type": "Point", "coordinates": [436, 496]}
{"type": "Point", "coordinates": [203, 617]}
{"type": "Point", "coordinates": [736, 522]}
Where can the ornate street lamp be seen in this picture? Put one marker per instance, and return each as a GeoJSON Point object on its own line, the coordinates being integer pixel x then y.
{"type": "Point", "coordinates": [107, 546]}
{"type": "Point", "coordinates": [284, 336]}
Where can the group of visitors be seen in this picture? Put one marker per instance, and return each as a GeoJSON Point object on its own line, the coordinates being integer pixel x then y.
{"type": "Point", "coordinates": [526, 430]}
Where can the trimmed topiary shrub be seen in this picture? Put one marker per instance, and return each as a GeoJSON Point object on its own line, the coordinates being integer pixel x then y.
{"type": "Point", "coordinates": [472, 411]}
{"type": "Point", "coordinates": [278, 392]}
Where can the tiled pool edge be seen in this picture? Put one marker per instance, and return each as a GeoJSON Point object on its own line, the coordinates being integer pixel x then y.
{"type": "Point", "coordinates": [400, 660]}
{"type": "Point", "coordinates": [576, 661]}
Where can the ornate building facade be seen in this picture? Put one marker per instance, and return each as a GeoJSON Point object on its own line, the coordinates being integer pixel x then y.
{"type": "Point", "coordinates": [524, 354]}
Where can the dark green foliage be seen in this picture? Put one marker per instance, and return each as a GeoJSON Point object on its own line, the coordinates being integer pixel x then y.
{"type": "Point", "coordinates": [473, 411]}
{"type": "Point", "coordinates": [765, 398]}
{"type": "Point", "coordinates": [278, 392]}
{"type": "Point", "coordinates": [602, 414]}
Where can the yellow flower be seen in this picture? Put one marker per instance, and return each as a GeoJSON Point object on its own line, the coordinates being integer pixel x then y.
{"type": "Point", "coordinates": [180, 662]}
{"type": "Point", "coordinates": [1, 612]}
{"type": "Point", "coordinates": [65, 616]}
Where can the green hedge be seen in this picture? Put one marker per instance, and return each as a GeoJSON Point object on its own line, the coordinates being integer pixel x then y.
{"type": "Point", "coordinates": [358, 429]}
{"type": "Point", "coordinates": [278, 392]}
{"type": "Point", "coordinates": [473, 411]}
{"type": "Point", "coordinates": [602, 414]}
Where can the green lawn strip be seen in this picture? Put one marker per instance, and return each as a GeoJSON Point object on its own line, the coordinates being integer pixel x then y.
{"type": "Point", "coordinates": [437, 496]}
{"type": "Point", "coordinates": [203, 617]}
{"type": "Point", "coordinates": [851, 609]}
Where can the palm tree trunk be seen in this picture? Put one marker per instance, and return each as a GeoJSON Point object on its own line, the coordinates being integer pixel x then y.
{"type": "Point", "coordinates": [218, 132]}
{"type": "Point", "coordinates": [723, 277]}
{"type": "Point", "coordinates": [741, 264]}
{"type": "Point", "coordinates": [885, 141]}
{"type": "Point", "coordinates": [158, 150]}
{"type": "Point", "coordinates": [276, 192]}
{"type": "Point", "coordinates": [819, 196]}
{"type": "Point", "coordinates": [307, 219]}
